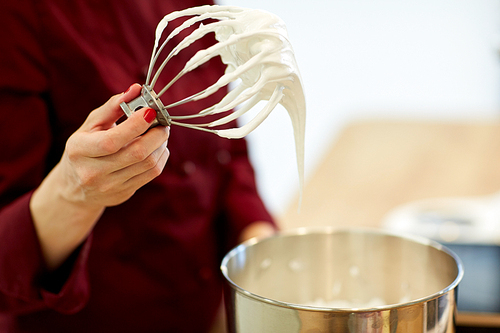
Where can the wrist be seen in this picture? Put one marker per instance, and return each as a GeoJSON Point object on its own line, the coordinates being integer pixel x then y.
{"type": "Point", "coordinates": [258, 229]}
{"type": "Point", "coordinates": [62, 222]}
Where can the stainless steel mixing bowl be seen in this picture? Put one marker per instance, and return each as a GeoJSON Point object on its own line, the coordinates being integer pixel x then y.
{"type": "Point", "coordinates": [333, 280]}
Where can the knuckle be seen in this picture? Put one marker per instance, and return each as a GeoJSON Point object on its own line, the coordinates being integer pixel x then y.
{"type": "Point", "coordinates": [88, 179]}
{"type": "Point", "coordinates": [157, 161]}
{"type": "Point", "coordinates": [71, 150]}
{"type": "Point", "coordinates": [109, 144]}
{"type": "Point", "coordinates": [72, 155]}
{"type": "Point", "coordinates": [152, 166]}
{"type": "Point", "coordinates": [139, 153]}
{"type": "Point", "coordinates": [156, 170]}
{"type": "Point", "coordinates": [150, 162]}
{"type": "Point", "coordinates": [105, 188]}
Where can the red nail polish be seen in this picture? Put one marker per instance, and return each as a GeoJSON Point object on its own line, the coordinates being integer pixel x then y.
{"type": "Point", "coordinates": [150, 115]}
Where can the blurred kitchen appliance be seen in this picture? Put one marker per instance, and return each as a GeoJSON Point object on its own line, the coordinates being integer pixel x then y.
{"type": "Point", "coordinates": [471, 228]}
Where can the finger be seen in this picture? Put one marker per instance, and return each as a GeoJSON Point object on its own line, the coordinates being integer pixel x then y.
{"type": "Point", "coordinates": [150, 162]}
{"type": "Point", "coordinates": [140, 149]}
{"type": "Point", "coordinates": [131, 185]}
{"type": "Point", "coordinates": [108, 142]}
{"type": "Point", "coordinates": [106, 115]}
{"type": "Point", "coordinates": [150, 173]}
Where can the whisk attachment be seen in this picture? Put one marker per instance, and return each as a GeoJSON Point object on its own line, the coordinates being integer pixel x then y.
{"type": "Point", "coordinates": [148, 98]}
{"type": "Point", "coordinates": [260, 64]}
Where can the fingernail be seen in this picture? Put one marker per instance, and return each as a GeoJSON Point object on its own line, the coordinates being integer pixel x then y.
{"type": "Point", "coordinates": [150, 115]}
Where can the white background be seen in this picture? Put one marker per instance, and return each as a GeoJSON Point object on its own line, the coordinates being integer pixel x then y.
{"type": "Point", "coordinates": [414, 59]}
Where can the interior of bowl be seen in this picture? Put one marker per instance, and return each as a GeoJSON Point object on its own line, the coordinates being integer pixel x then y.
{"type": "Point", "coordinates": [342, 269]}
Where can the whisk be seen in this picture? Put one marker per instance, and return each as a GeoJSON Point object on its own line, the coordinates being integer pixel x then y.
{"type": "Point", "coordinates": [254, 46]}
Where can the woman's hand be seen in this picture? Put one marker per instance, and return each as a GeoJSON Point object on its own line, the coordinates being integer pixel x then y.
{"type": "Point", "coordinates": [103, 165]}
{"type": "Point", "coordinates": [258, 229]}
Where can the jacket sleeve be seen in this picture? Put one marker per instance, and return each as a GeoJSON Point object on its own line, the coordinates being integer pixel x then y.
{"type": "Point", "coordinates": [24, 284]}
{"type": "Point", "coordinates": [25, 133]}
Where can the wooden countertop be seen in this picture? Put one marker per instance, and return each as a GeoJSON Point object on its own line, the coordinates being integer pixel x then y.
{"type": "Point", "coordinates": [374, 166]}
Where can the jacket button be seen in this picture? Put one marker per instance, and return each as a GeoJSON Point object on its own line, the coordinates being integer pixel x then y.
{"type": "Point", "coordinates": [189, 167]}
{"type": "Point", "coordinates": [223, 157]}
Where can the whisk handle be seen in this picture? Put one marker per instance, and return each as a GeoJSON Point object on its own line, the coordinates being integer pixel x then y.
{"type": "Point", "coordinates": [148, 98]}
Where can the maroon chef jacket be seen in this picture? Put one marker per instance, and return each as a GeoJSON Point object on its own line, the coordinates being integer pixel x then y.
{"type": "Point", "coordinates": [151, 264]}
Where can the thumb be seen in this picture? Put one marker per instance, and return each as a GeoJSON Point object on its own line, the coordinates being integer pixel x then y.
{"type": "Point", "coordinates": [105, 116]}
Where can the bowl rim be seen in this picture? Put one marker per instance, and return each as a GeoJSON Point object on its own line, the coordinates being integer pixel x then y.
{"type": "Point", "coordinates": [331, 230]}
